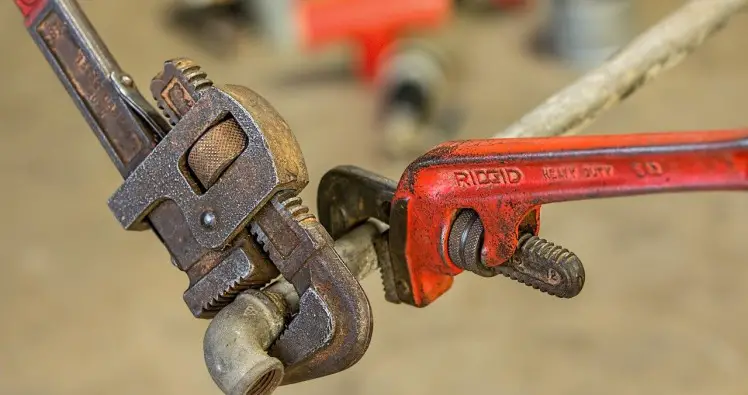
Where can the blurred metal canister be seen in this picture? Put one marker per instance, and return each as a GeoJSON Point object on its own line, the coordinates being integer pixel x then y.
{"type": "Point", "coordinates": [417, 102]}
{"type": "Point", "coordinates": [277, 20]}
{"type": "Point", "coordinates": [587, 32]}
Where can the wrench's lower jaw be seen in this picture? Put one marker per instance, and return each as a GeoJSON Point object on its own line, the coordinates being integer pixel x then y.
{"type": "Point", "coordinates": [333, 328]}
{"type": "Point", "coordinates": [342, 341]}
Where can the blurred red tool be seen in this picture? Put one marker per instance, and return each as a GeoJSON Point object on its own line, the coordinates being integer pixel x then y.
{"type": "Point", "coordinates": [372, 25]}
{"type": "Point", "coordinates": [484, 5]}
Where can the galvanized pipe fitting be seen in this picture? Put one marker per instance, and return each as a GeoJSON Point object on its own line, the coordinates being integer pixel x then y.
{"type": "Point", "coordinates": [236, 343]}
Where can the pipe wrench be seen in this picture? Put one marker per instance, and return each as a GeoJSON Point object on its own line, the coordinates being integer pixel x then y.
{"type": "Point", "coordinates": [475, 205]}
{"type": "Point", "coordinates": [217, 184]}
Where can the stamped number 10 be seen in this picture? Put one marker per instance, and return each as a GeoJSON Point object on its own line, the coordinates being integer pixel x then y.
{"type": "Point", "coordinates": [647, 169]}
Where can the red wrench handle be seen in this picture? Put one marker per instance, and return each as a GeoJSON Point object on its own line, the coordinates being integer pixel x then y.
{"type": "Point", "coordinates": [506, 182]}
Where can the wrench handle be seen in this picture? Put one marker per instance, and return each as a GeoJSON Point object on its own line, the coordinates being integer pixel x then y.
{"type": "Point", "coordinates": [548, 170]}
{"type": "Point", "coordinates": [90, 75]}
{"type": "Point", "coordinates": [507, 180]}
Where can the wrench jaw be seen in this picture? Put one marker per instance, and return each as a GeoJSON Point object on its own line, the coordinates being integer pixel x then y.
{"type": "Point", "coordinates": [333, 328]}
{"type": "Point", "coordinates": [463, 211]}
{"type": "Point", "coordinates": [416, 270]}
{"type": "Point", "coordinates": [348, 196]}
{"type": "Point", "coordinates": [202, 220]}
{"type": "Point", "coordinates": [235, 144]}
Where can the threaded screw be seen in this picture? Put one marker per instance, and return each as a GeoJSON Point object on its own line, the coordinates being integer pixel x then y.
{"type": "Point", "coordinates": [536, 262]}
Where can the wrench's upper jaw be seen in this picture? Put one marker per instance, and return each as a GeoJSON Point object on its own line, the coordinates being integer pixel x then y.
{"type": "Point", "coordinates": [333, 328]}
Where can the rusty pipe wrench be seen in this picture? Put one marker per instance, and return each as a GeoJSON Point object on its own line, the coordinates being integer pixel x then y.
{"type": "Point", "coordinates": [475, 205]}
{"type": "Point", "coordinates": [218, 188]}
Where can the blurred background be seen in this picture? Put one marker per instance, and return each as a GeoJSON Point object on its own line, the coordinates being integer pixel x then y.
{"type": "Point", "coordinates": [91, 309]}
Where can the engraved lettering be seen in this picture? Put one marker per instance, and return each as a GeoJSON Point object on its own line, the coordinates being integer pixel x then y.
{"type": "Point", "coordinates": [493, 176]}
{"type": "Point", "coordinates": [513, 176]}
{"type": "Point", "coordinates": [597, 171]}
{"type": "Point", "coordinates": [462, 179]}
{"type": "Point", "coordinates": [481, 176]}
{"type": "Point", "coordinates": [560, 173]}
{"type": "Point", "coordinates": [116, 131]}
{"type": "Point", "coordinates": [499, 176]}
{"type": "Point", "coordinates": [647, 169]}
{"type": "Point", "coordinates": [472, 177]}
{"type": "Point", "coordinates": [577, 172]}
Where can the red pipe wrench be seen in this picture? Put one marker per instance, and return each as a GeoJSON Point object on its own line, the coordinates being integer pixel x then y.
{"type": "Point", "coordinates": [475, 205]}
{"type": "Point", "coordinates": [505, 181]}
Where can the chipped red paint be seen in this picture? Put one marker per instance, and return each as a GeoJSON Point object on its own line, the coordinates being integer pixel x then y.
{"type": "Point", "coordinates": [30, 9]}
{"type": "Point", "coordinates": [507, 180]}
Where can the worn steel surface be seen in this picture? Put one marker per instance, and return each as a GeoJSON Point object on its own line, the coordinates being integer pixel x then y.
{"type": "Point", "coordinates": [348, 196]}
{"type": "Point", "coordinates": [271, 162]}
{"type": "Point", "coordinates": [333, 328]}
{"type": "Point", "coordinates": [229, 158]}
{"type": "Point", "coordinates": [237, 341]}
{"type": "Point", "coordinates": [86, 69]}
{"type": "Point", "coordinates": [626, 333]}
{"type": "Point", "coordinates": [129, 128]}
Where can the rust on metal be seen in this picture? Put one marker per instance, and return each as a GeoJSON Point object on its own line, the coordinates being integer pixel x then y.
{"type": "Point", "coordinates": [177, 87]}
{"type": "Point", "coordinates": [175, 96]}
{"type": "Point", "coordinates": [92, 86]}
{"type": "Point", "coordinates": [332, 329]}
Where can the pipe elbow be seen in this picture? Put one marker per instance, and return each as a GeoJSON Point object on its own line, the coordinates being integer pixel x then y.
{"type": "Point", "coordinates": [236, 341]}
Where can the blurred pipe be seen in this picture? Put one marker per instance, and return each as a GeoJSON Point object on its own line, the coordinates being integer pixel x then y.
{"type": "Point", "coordinates": [413, 89]}
{"type": "Point", "coordinates": [276, 19]}
{"type": "Point", "coordinates": [658, 49]}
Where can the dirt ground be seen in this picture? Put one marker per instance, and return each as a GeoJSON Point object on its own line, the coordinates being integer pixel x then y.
{"type": "Point", "coordinates": [91, 309]}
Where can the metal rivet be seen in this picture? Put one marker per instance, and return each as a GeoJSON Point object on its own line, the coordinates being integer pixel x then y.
{"type": "Point", "coordinates": [208, 219]}
{"type": "Point", "coordinates": [126, 80]}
